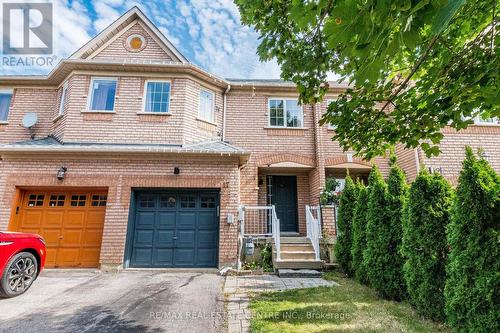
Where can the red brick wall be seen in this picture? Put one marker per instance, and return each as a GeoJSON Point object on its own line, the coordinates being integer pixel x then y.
{"type": "Point", "coordinates": [119, 177]}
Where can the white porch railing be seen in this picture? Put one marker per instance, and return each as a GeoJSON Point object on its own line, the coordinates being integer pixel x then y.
{"type": "Point", "coordinates": [313, 223]}
{"type": "Point", "coordinates": [260, 221]}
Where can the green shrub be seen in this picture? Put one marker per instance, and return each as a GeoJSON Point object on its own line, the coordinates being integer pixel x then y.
{"type": "Point", "coordinates": [472, 290]}
{"type": "Point", "coordinates": [427, 212]}
{"type": "Point", "coordinates": [374, 256]}
{"type": "Point", "coordinates": [358, 235]}
{"type": "Point", "coordinates": [344, 224]}
{"type": "Point", "coordinates": [394, 286]}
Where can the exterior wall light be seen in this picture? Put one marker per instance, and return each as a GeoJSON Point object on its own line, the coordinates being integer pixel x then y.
{"type": "Point", "coordinates": [177, 171]}
{"type": "Point", "coordinates": [62, 173]}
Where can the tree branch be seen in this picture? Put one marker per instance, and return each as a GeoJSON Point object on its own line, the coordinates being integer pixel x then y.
{"type": "Point", "coordinates": [413, 71]}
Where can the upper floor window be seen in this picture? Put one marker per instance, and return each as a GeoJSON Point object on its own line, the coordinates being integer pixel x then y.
{"type": "Point", "coordinates": [5, 98]}
{"type": "Point", "coordinates": [157, 96]}
{"type": "Point", "coordinates": [330, 126]}
{"type": "Point", "coordinates": [102, 94]}
{"type": "Point", "coordinates": [207, 105]}
{"type": "Point", "coordinates": [63, 98]}
{"type": "Point", "coordinates": [285, 113]}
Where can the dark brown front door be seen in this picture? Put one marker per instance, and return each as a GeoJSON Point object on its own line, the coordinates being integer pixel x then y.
{"type": "Point", "coordinates": [283, 195]}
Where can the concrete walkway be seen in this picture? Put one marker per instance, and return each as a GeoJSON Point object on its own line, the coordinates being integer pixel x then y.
{"type": "Point", "coordinates": [237, 289]}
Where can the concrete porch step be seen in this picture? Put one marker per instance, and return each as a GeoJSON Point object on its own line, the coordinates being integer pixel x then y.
{"type": "Point", "coordinates": [297, 247]}
{"type": "Point", "coordinates": [294, 240]}
{"type": "Point", "coordinates": [299, 273]}
{"type": "Point", "coordinates": [297, 255]}
{"type": "Point", "coordinates": [298, 264]}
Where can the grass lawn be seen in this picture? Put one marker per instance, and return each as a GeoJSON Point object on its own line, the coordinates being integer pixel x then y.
{"type": "Point", "coordinates": [351, 307]}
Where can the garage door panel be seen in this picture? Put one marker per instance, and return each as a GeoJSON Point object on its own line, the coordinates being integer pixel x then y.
{"type": "Point", "coordinates": [71, 226]}
{"type": "Point", "coordinates": [206, 238]}
{"type": "Point", "coordinates": [166, 220]}
{"type": "Point", "coordinates": [142, 256]}
{"type": "Point", "coordinates": [185, 228]}
{"type": "Point", "coordinates": [163, 256]}
{"type": "Point", "coordinates": [68, 257]}
{"type": "Point", "coordinates": [54, 219]}
{"type": "Point", "coordinates": [165, 238]}
{"type": "Point", "coordinates": [94, 219]}
{"type": "Point", "coordinates": [185, 238]}
{"type": "Point", "coordinates": [186, 220]}
{"type": "Point", "coordinates": [205, 220]}
{"type": "Point", "coordinates": [32, 219]}
{"type": "Point", "coordinates": [75, 219]}
{"type": "Point", "coordinates": [206, 256]}
{"type": "Point", "coordinates": [144, 237]}
{"type": "Point", "coordinates": [184, 257]}
{"type": "Point", "coordinates": [145, 219]}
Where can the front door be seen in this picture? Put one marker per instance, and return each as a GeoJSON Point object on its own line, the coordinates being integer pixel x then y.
{"type": "Point", "coordinates": [283, 195]}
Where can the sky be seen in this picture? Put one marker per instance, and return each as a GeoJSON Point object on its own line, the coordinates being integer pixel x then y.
{"type": "Point", "coordinates": [207, 32]}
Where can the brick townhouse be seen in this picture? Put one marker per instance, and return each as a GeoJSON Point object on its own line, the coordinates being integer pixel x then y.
{"type": "Point", "coordinates": [139, 158]}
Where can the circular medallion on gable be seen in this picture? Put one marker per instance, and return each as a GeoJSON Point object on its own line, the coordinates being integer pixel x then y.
{"type": "Point", "coordinates": [135, 43]}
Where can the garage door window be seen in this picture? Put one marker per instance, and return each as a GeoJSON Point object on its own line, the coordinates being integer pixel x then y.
{"type": "Point", "coordinates": [57, 200]}
{"type": "Point", "coordinates": [167, 201]}
{"type": "Point", "coordinates": [147, 201]}
{"type": "Point", "coordinates": [188, 202]}
{"type": "Point", "coordinates": [78, 200]}
{"type": "Point", "coordinates": [207, 202]}
{"type": "Point", "coordinates": [99, 200]}
{"type": "Point", "coordinates": [36, 200]}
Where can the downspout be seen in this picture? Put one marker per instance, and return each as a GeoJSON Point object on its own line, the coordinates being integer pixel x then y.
{"type": "Point", "coordinates": [224, 112]}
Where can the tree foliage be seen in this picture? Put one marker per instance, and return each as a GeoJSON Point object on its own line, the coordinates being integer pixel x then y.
{"type": "Point", "coordinates": [431, 63]}
{"type": "Point", "coordinates": [344, 225]}
{"type": "Point", "coordinates": [473, 286]}
{"type": "Point", "coordinates": [375, 256]}
{"type": "Point", "coordinates": [358, 235]}
{"type": "Point", "coordinates": [427, 212]}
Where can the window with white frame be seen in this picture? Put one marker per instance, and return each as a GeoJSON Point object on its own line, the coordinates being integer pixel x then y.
{"type": "Point", "coordinates": [207, 105]}
{"type": "Point", "coordinates": [5, 99]}
{"type": "Point", "coordinates": [102, 94]}
{"type": "Point", "coordinates": [157, 96]}
{"type": "Point", "coordinates": [62, 103]}
{"type": "Point", "coordinates": [285, 113]}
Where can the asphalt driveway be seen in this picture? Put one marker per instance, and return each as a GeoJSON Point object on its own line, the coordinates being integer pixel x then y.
{"type": "Point", "coordinates": [128, 301]}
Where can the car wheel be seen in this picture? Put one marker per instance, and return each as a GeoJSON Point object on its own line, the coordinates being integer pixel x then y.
{"type": "Point", "coordinates": [19, 274]}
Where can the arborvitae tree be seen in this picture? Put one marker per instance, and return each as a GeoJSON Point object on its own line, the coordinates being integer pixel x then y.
{"type": "Point", "coordinates": [427, 212]}
{"type": "Point", "coordinates": [358, 235]}
{"type": "Point", "coordinates": [472, 290]}
{"type": "Point", "coordinates": [344, 225]}
{"type": "Point", "coordinates": [394, 286]}
{"type": "Point", "coordinates": [374, 256]}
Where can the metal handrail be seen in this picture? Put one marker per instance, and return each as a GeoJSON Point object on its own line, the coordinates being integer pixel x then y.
{"type": "Point", "coordinates": [313, 230]}
{"type": "Point", "coordinates": [276, 233]}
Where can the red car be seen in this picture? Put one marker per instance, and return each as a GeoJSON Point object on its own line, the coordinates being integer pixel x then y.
{"type": "Point", "coordinates": [22, 257]}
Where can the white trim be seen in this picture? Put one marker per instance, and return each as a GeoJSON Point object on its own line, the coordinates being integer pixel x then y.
{"type": "Point", "coordinates": [64, 97]}
{"type": "Point", "coordinates": [480, 121]}
{"type": "Point", "coordinates": [284, 99]}
{"type": "Point", "coordinates": [212, 120]}
{"type": "Point", "coordinates": [91, 93]}
{"type": "Point", "coordinates": [145, 92]}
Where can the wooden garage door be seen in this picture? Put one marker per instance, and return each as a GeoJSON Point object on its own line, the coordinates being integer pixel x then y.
{"type": "Point", "coordinates": [70, 222]}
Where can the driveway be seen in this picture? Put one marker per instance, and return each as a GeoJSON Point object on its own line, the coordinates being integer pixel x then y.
{"type": "Point", "coordinates": [128, 301]}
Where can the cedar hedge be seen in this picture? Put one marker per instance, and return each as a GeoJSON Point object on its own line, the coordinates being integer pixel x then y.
{"type": "Point", "coordinates": [472, 289]}
{"type": "Point", "coordinates": [344, 224]}
{"type": "Point", "coordinates": [358, 235]}
{"type": "Point", "coordinates": [427, 212]}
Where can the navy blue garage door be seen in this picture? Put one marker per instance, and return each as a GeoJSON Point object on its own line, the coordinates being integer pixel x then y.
{"type": "Point", "coordinates": [175, 229]}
